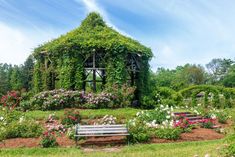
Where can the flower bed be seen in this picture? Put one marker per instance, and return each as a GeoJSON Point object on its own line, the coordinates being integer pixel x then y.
{"type": "Point", "coordinates": [59, 99]}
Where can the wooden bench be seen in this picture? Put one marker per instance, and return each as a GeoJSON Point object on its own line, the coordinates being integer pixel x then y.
{"type": "Point", "coordinates": [100, 130]}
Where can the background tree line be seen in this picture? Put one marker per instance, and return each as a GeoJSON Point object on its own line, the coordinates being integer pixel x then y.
{"type": "Point", "coordinates": [16, 77]}
{"type": "Point", "coordinates": [216, 72]}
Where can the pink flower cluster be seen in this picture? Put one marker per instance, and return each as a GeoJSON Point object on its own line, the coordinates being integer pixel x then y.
{"type": "Point", "coordinates": [10, 100]}
{"type": "Point", "coordinates": [183, 123]}
{"type": "Point", "coordinates": [98, 98]}
{"type": "Point", "coordinates": [53, 125]}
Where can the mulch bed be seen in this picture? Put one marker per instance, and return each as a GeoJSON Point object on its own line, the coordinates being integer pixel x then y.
{"type": "Point", "coordinates": [198, 134]}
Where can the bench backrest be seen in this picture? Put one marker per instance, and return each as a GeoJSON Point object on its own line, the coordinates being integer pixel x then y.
{"type": "Point", "coordinates": [101, 130]}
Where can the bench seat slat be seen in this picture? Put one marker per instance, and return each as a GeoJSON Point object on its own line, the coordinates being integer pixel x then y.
{"type": "Point", "coordinates": [101, 132]}
{"type": "Point", "coordinates": [89, 135]}
{"type": "Point", "coordinates": [101, 126]}
{"type": "Point", "coordinates": [98, 129]}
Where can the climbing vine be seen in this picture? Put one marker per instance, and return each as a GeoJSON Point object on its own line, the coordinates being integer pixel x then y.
{"type": "Point", "coordinates": [60, 62]}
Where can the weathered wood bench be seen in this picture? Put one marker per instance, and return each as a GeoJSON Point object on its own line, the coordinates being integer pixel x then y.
{"type": "Point", "coordinates": [100, 130]}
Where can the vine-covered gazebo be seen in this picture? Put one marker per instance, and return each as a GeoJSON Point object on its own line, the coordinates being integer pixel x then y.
{"type": "Point", "coordinates": [93, 54]}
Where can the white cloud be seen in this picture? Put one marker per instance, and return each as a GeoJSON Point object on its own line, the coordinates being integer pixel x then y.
{"type": "Point", "coordinates": [16, 45]}
{"type": "Point", "coordinates": [92, 5]}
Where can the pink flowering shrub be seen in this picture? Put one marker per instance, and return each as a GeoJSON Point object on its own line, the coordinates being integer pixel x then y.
{"type": "Point", "coordinates": [115, 97]}
{"type": "Point", "coordinates": [48, 139]}
{"type": "Point", "coordinates": [100, 100]}
{"type": "Point", "coordinates": [208, 123]}
{"type": "Point", "coordinates": [56, 99]}
{"type": "Point", "coordinates": [53, 129]}
{"type": "Point", "coordinates": [10, 100]}
{"type": "Point", "coordinates": [52, 125]}
{"type": "Point", "coordinates": [71, 117]}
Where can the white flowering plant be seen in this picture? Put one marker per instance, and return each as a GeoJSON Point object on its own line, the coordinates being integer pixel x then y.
{"type": "Point", "coordinates": [151, 123]}
{"type": "Point", "coordinates": [161, 117]}
{"type": "Point", "coordinates": [106, 120]}
{"type": "Point", "coordinates": [211, 113]}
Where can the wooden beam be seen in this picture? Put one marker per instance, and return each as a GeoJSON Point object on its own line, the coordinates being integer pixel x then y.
{"type": "Point", "coordinates": [94, 68]}
{"type": "Point", "coordinates": [94, 74]}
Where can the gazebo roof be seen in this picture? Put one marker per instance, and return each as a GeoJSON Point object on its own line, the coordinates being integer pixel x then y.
{"type": "Point", "coordinates": [94, 34]}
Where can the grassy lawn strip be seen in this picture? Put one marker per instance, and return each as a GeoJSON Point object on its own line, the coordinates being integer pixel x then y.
{"type": "Point", "coordinates": [184, 149]}
{"type": "Point", "coordinates": [122, 113]}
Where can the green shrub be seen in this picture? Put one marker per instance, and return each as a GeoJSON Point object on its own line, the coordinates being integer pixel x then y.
{"type": "Point", "coordinates": [71, 117]}
{"type": "Point", "coordinates": [123, 95]}
{"type": "Point", "coordinates": [222, 117]}
{"type": "Point", "coordinates": [25, 105]}
{"type": "Point", "coordinates": [11, 116]}
{"type": "Point", "coordinates": [147, 102]}
{"type": "Point", "coordinates": [143, 126]}
{"type": "Point", "coordinates": [48, 140]}
{"type": "Point", "coordinates": [22, 129]}
{"type": "Point", "coordinates": [207, 123]}
{"type": "Point", "coordinates": [59, 99]}
{"type": "Point", "coordinates": [56, 99]}
{"type": "Point", "coordinates": [168, 133]}
{"type": "Point", "coordinates": [158, 115]}
{"type": "Point", "coordinates": [71, 133]}
{"type": "Point", "coordinates": [10, 100]}
{"type": "Point", "coordinates": [139, 133]}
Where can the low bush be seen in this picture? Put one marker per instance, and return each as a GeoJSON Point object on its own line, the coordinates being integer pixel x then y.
{"type": "Point", "coordinates": [14, 124]}
{"type": "Point", "coordinates": [139, 134]}
{"type": "Point", "coordinates": [10, 100]}
{"type": "Point", "coordinates": [25, 105]}
{"type": "Point", "coordinates": [71, 117]}
{"type": "Point", "coordinates": [161, 95]}
{"type": "Point", "coordinates": [71, 133]}
{"type": "Point", "coordinates": [184, 124]}
{"type": "Point", "coordinates": [207, 123]}
{"type": "Point", "coordinates": [56, 99]}
{"type": "Point", "coordinates": [48, 140]}
{"type": "Point", "coordinates": [59, 99]}
{"type": "Point", "coordinates": [23, 128]}
{"type": "Point", "coordinates": [158, 122]}
{"type": "Point", "coordinates": [222, 117]}
{"type": "Point", "coordinates": [168, 133]}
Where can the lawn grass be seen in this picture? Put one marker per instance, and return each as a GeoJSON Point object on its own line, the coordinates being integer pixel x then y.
{"type": "Point", "coordinates": [184, 149]}
{"type": "Point", "coordinates": [122, 113]}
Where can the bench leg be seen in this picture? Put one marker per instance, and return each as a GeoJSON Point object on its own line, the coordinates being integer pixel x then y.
{"type": "Point", "coordinates": [128, 142]}
{"type": "Point", "coordinates": [76, 139]}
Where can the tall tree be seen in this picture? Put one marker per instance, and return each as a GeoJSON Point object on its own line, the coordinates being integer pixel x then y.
{"type": "Point", "coordinates": [16, 80]}
{"type": "Point", "coordinates": [3, 79]}
{"type": "Point", "coordinates": [218, 68]}
{"type": "Point", "coordinates": [27, 73]}
{"type": "Point", "coordinates": [229, 79]}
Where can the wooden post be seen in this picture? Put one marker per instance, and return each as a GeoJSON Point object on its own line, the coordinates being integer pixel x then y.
{"type": "Point", "coordinates": [103, 78]}
{"type": "Point", "coordinates": [94, 74]}
{"type": "Point", "coordinates": [132, 78]}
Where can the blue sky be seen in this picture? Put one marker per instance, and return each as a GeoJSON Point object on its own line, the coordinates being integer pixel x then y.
{"type": "Point", "coordinates": [177, 31]}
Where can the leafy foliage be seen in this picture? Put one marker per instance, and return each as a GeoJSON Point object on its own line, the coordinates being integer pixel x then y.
{"type": "Point", "coordinates": [10, 100]}
{"type": "Point", "coordinates": [59, 99]}
{"type": "Point", "coordinates": [168, 133]}
{"type": "Point", "coordinates": [71, 117]}
{"type": "Point", "coordinates": [48, 140]}
{"type": "Point", "coordinates": [59, 63]}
